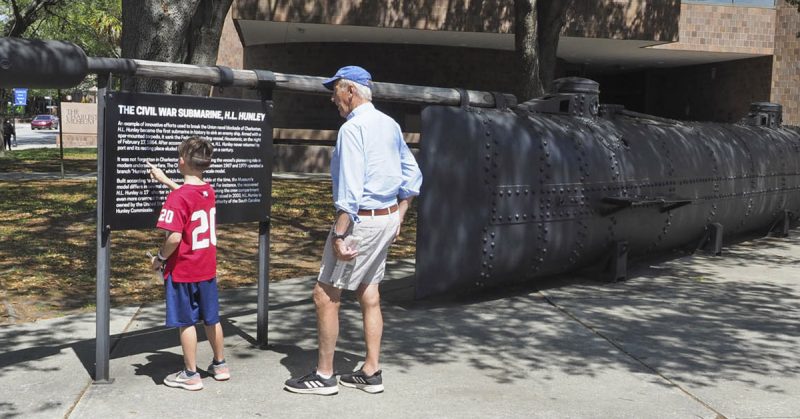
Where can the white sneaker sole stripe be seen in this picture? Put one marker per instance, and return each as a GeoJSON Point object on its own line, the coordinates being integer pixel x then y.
{"type": "Point", "coordinates": [372, 389]}
{"type": "Point", "coordinates": [325, 391]}
{"type": "Point", "coordinates": [184, 385]}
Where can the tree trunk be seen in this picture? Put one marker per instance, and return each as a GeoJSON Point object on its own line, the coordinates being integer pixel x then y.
{"type": "Point", "coordinates": [177, 32]}
{"type": "Point", "coordinates": [204, 36]}
{"type": "Point", "coordinates": [527, 49]}
{"type": "Point", "coordinates": [551, 16]}
{"type": "Point", "coordinates": [536, 31]}
{"type": "Point", "coordinates": [155, 30]}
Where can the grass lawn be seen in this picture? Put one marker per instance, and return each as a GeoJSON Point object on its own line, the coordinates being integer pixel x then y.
{"type": "Point", "coordinates": [48, 236]}
{"type": "Point", "coordinates": [76, 160]}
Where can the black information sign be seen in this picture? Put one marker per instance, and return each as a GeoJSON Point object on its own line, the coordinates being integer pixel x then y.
{"type": "Point", "coordinates": [143, 127]}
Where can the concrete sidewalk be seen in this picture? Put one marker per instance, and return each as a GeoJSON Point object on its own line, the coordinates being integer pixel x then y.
{"type": "Point", "coordinates": [697, 336]}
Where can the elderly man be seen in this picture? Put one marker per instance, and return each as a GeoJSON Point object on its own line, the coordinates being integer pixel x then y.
{"type": "Point", "coordinates": [375, 177]}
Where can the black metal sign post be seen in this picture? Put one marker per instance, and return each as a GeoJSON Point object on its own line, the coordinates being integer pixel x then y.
{"type": "Point", "coordinates": [103, 310]}
{"type": "Point", "coordinates": [262, 298]}
{"type": "Point", "coordinates": [262, 316]}
{"type": "Point", "coordinates": [60, 134]}
{"type": "Point", "coordinates": [265, 86]}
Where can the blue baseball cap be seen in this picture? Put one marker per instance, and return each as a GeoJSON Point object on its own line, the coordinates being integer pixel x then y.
{"type": "Point", "coordinates": [352, 73]}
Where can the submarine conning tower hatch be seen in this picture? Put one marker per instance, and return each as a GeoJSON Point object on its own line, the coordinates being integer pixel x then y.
{"type": "Point", "coordinates": [574, 96]}
{"type": "Point", "coordinates": [764, 114]}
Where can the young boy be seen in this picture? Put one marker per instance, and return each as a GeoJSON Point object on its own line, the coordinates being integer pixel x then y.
{"type": "Point", "coordinates": [188, 258]}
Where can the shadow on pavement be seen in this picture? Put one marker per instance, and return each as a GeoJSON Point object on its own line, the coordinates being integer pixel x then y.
{"type": "Point", "coordinates": [683, 316]}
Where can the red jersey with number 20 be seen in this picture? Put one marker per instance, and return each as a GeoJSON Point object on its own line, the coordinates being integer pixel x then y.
{"type": "Point", "coordinates": [191, 210]}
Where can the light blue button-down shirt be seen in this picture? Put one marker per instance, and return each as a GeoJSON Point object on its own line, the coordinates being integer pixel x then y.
{"type": "Point", "coordinates": [372, 166]}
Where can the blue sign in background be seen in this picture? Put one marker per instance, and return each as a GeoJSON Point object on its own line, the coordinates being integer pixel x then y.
{"type": "Point", "coordinates": [20, 97]}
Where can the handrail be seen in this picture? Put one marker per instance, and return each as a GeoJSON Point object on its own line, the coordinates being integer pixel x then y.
{"type": "Point", "coordinates": [57, 64]}
{"type": "Point", "coordinates": [395, 92]}
{"type": "Point", "coordinates": [323, 137]}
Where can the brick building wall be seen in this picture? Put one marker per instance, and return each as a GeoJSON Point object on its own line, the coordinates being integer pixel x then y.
{"type": "Point", "coordinates": [482, 69]}
{"type": "Point", "coordinates": [720, 92]}
{"type": "Point", "coordinates": [786, 66]}
{"type": "Point", "coordinates": [617, 19]}
{"type": "Point", "coordinates": [725, 28]}
{"type": "Point", "coordinates": [714, 92]}
{"type": "Point", "coordinates": [459, 15]}
{"type": "Point", "coordinates": [623, 19]}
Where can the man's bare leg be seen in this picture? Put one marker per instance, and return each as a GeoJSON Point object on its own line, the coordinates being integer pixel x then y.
{"type": "Point", "coordinates": [327, 300]}
{"type": "Point", "coordinates": [370, 299]}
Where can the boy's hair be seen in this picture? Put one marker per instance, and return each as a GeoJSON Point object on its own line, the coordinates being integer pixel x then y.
{"type": "Point", "coordinates": [196, 152]}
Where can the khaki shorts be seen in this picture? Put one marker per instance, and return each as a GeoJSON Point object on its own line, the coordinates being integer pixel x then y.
{"type": "Point", "coordinates": [377, 233]}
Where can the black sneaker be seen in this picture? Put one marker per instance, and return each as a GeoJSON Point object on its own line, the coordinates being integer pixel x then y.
{"type": "Point", "coordinates": [369, 383]}
{"type": "Point", "coordinates": [312, 383]}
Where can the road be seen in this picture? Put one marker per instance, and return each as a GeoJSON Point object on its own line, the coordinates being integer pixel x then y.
{"type": "Point", "coordinates": [27, 138]}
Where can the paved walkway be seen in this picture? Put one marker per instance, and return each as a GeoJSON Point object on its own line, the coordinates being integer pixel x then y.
{"type": "Point", "coordinates": [694, 337]}
{"type": "Point", "coordinates": [27, 138]}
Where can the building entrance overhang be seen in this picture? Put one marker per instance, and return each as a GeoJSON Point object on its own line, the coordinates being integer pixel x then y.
{"type": "Point", "coordinates": [597, 55]}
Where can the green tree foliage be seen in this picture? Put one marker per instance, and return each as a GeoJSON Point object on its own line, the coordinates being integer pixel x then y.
{"type": "Point", "coordinates": [16, 16]}
{"type": "Point", "coordinates": [94, 25]}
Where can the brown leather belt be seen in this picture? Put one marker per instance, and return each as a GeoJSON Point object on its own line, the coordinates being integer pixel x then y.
{"type": "Point", "coordinates": [382, 211]}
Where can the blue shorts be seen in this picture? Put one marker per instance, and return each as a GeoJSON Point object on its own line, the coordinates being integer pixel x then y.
{"type": "Point", "coordinates": [190, 302]}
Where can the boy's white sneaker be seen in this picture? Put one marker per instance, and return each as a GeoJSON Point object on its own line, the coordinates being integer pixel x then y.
{"type": "Point", "coordinates": [182, 380]}
{"type": "Point", "coordinates": [219, 372]}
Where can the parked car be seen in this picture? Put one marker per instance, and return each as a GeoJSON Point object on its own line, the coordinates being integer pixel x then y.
{"type": "Point", "coordinates": [44, 122]}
